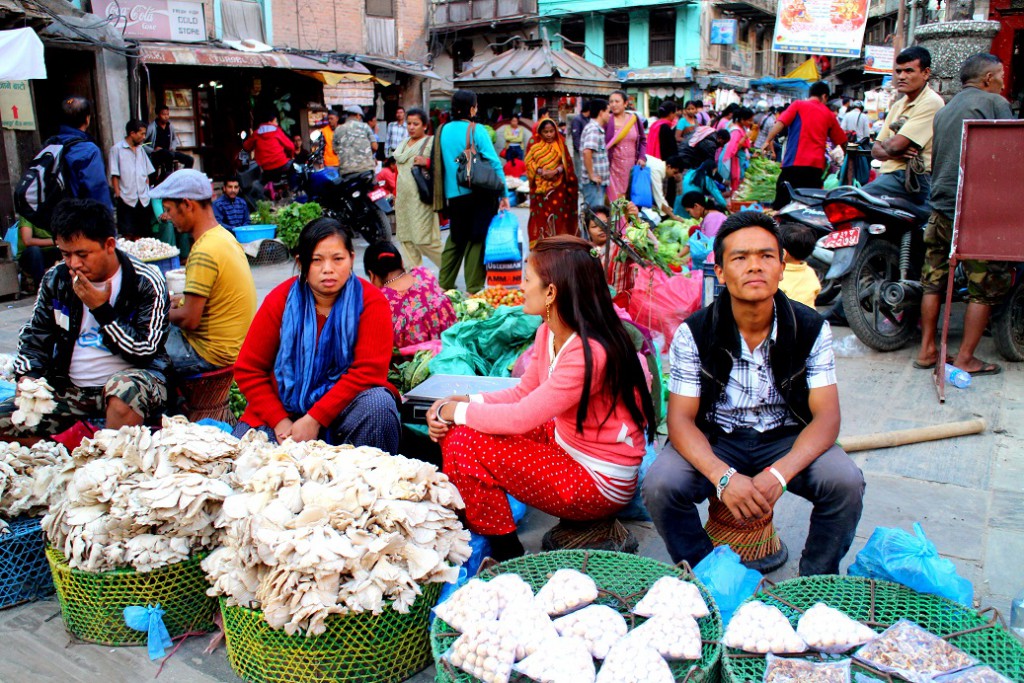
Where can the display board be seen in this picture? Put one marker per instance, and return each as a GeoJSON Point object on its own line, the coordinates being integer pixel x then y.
{"type": "Point", "coordinates": [821, 27]}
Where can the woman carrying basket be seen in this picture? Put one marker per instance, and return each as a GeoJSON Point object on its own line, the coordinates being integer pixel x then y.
{"type": "Point", "coordinates": [554, 192]}
{"type": "Point", "coordinates": [569, 439]}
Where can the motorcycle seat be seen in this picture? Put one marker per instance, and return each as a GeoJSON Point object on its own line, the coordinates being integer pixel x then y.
{"type": "Point", "coordinates": [901, 204]}
{"type": "Point", "coordinates": [806, 194]}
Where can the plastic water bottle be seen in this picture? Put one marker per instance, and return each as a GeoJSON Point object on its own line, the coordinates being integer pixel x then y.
{"type": "Point", "coordinates": [957, 377]}
{"type": "Point", "coordinates": [1017, 615]}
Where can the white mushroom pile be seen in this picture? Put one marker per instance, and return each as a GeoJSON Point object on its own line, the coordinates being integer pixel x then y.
{"type": "Point", "coordinates": [143, 499]}
{"type": "Point", "coordinates": [30, 478]}
{"type": "Point", "coordinates": [147, 248]}
{"type": "Point", "coordinates": [33, 400]}
{"type": "Point", "coordinates": [317, 530]}
{"type": "Point", "coordinates": [7, 366]}
{"type": "Point", "coordinates": [760, 628]}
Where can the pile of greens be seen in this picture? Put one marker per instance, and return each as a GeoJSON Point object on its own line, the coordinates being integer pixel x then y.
{"type": "Point", "coordinates": [639, 236]}
{"type": "Point", "coordinates": [406, 376]}
{"type": "Point", "coordinates": [673, 239]}
{"type": "Point", "coordinates": [467, 308]}
{"type": "Point", "coordinates": [291, 219]}
{"type": "Point", "coordinates": [759, 183]}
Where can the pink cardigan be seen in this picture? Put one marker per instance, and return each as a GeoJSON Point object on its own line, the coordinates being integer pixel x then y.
{"type": "Point", "coordinates": [611, 450]}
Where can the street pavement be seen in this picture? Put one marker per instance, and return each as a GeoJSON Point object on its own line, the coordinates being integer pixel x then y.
{"type": "Point", "coordinates": [967, 493]}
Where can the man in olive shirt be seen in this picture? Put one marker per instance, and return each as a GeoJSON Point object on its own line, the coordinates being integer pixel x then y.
{"type": "Point", "coordinates": [905, 143]}
{"type": "Point", "coordinates": [987, 282]}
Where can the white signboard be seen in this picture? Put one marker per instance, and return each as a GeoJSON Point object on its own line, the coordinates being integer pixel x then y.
{"type": "Point", "coordinates": [821, 27]}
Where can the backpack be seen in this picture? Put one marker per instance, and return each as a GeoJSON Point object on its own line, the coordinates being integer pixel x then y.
{"type": "Point", "coordinates": [44, 183]}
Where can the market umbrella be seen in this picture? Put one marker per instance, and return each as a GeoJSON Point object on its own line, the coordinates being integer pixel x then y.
{"type": "Point", "coordinates": [21, 55]}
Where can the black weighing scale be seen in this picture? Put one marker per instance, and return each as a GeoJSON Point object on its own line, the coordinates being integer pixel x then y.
{"type": "Point", "coordinates": [417, 401]}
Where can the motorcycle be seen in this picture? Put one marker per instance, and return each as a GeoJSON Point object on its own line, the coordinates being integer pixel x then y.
{"type": "Point", "coordinates": [354, 199]}
{"type": "Point", "coordinates": [805, 209]}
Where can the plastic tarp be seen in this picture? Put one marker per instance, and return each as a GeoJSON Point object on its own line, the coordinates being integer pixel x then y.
{"type": "Point", "coordinates": [488, 348]}
{"type": "Point", "coordinates": [21, 55]}
{"type": "Point", "coordinates": [794, 84]}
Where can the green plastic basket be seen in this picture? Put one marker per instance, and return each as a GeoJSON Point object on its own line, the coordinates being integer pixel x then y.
{"type": "Point", "coordinates": [623, 580]}
{"type": "Point", "coordinates": [356, 647]}
{"type": "Point", "coordinates": [92, 604]}
{"type": "Point", "coordinates": [879, 604]}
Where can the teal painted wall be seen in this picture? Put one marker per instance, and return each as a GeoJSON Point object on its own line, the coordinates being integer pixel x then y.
{"type": "Point", "coordinates": [556, 7]}
{"type": "Point", "coordinates": [594, 37]}
{"type": "Point", "coordinates": [688, 35]}
{"type": "Point", "coordinates": [639, 33]}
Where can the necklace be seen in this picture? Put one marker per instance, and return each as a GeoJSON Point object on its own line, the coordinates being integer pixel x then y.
{"type": "Point", "coordinates": [395, 278]}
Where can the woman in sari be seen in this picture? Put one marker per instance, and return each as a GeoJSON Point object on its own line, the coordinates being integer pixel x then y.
{"type": "Point", "coordinates": [554, 190]}
{"type": "Point", "coordinates": [417, 227]}
{"type": "Point", "coordinates": [626, 143]}
{"type": "Point", "coordinates": [732, 165]}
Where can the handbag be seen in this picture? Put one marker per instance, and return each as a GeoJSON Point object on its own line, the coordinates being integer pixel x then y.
{"type": "Point", "coordinates": [474, 172]}
{"type": "Point", "coordinates": [424, 179]}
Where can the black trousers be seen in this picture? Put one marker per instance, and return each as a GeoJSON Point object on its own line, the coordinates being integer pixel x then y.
{"type": "Point", "coordinates": [134, 221]}
{"type": "Point", "coordinates": [797, 176]}
{"type": "Point", "coordinates": [165, 157]}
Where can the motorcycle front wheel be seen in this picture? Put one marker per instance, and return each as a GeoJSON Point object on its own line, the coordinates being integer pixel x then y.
{"type": "Point", "coordinates": [375, 226]}
{"type": "Point", "coordinates": [871, 319]}
{"type": "Point", "coordinates": [1008, 326]}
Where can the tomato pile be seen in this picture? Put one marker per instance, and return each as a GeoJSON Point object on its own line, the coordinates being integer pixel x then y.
{"type": "Point", "coordinates": [500, 296]}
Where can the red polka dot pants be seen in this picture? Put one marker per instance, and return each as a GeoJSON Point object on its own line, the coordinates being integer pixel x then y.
{"type": "Point", "coordinates": [532, 467]}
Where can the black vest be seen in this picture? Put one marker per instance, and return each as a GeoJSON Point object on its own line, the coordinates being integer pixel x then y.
{"type": "Point", "coordinates": [718, 344]}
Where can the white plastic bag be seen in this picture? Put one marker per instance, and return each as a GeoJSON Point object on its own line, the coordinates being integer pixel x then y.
{"type": "Point", "coordinates": [670, 595]}
{"type": "Point", "coordinates": [599, 626]}
{"type": "Point", "coordinates": [474, 602]}
{"type": "Point", "coordinates": [633, 662]}
{"type": "Point", "coordinates": [561, 660]}
{"type": "Point", "coordinates": [828, 630]}
{"type": "Point", "coordinates": [760, 628]}
{"type": "Point", "coordinates": [485, 650]}
{"type": "Point", "coordinates": [531, 625]}
{"type": "Point", "coordinates": [674, 637]}
{"type": "Point", "coordinates": [566, 590]}
{"type": "Point", "coordinates": [510, 589]}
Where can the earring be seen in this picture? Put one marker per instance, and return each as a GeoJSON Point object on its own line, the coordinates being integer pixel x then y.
{"type": "Point", "coordinates": [547, 316]}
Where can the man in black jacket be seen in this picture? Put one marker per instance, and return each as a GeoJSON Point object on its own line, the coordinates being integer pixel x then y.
{"type": "Point", "coordinates": [754, 409]}
{"type": "Point", "coordinates": [98, 329]}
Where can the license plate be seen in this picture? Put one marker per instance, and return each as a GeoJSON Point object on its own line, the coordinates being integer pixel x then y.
{"type": "Point", "coordinates": [377, 194]}
{"type": "Point", "coordinates": [842, 238]}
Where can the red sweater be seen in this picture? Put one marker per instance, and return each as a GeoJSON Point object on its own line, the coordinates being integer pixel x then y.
{"type": "Point", "coordinates": [254, 369]}
{"type": "Point", "coordinates": [273, 149]}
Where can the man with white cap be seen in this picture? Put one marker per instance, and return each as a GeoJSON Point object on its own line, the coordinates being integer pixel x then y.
{"type": "Point", "coordinates": [212, 316]}
{"type": "Point", "coordinates": [355, 143]}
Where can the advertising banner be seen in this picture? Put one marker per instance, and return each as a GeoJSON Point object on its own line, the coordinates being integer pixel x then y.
{"type": "Point", "coordinates": [878, 59]}
{"type": "Point", "coordinates": [723, 31]}
{"type": "Point", "coordinates": [172, 20]}
{"type": "Point", "coordinates": [821, 27]}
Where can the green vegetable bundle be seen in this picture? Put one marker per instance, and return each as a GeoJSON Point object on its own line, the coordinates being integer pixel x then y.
{"type": "Point", "coordinates": [236, 401]}
{"type": "Point", "coordinates": [759, 183]}
{"type": "Point", "coordinates": [291, 219]}
{"type": "Point", "coordinates": [467, 308]}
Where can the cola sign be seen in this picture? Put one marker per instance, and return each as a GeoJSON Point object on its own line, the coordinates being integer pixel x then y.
{"type": "Point", "coordinates": [175, 20]}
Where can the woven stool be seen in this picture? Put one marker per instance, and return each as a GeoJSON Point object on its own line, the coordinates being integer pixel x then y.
{"type": "Point", "coordinates": [206, 395]}
{"type": "Point", "coordinates": [756, 542]}
{"type": "Point", "coordinates": [596, 534]}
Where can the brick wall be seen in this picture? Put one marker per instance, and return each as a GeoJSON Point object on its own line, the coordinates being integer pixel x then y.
{"type": "Point", "coordinates": [334, 26]}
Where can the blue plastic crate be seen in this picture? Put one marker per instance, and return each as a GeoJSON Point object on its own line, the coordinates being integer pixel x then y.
{"type": "Point", "coordinates": [166, 264]}
{"type": "Point", "coordinates": [251, 233]}
{"type": "Point", "coordinates": [711, 287]}
{"type": "Point", "coordinates": [24, 572]}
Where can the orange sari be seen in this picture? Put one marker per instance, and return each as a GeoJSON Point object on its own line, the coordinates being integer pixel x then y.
{"type": "Point", "coordinates": [553, 202]}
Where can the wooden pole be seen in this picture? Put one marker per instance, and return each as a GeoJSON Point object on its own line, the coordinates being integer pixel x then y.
{"type": "Point", "coordinates": [867, 442]}
{"type": "Point", "coordinates": [898, 40]}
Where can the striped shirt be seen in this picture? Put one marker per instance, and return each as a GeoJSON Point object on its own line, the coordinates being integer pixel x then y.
{"type": "Point", "coordinates": [750, 399]}
{"type": "Point", "coordinates": [396, 133]}
{"type": "Point", "coordinates": [231, 213]}
{"type": "Point", "coordinates": [593, 139]}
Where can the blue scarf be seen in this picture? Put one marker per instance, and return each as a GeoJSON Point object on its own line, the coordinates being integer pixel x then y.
{"type": "Point", "coordinates": [305, 370]}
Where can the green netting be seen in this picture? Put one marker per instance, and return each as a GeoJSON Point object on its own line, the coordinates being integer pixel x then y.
{"type": "Point", "coordinates": [623, 580]}
{"type": "Point", "coordinates": [879, 604]}
{"type": "Point", "coordinates": [24, 574]}
{"type": "Point", "coordinates": [357, 647]}
{"type": "Point", "coordinates": [92, 604]}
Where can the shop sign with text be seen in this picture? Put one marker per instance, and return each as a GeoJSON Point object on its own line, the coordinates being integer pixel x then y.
{"type": "Point", "coordinates": [833, 28]}
{"type": "Point", "coordinates": [173, 20]}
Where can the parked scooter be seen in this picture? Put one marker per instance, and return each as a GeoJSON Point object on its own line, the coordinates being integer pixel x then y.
{"type": "Point", "coordinates": [805, 209]}
{"type": "Point", "coordinates": [354, 199]}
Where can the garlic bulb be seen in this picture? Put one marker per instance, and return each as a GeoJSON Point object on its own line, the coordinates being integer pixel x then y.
{"type": "Point", "coordinates": [673, 636]}
{"type": "Point", "coordinates": [33, 400]}
{"type": "Point", "coordinates": [829, 630]}
{"type": "Point", "coordinates": [760, 628]}
{"type": "Point", "coordinates": [486, 650]}
{"type": "Point", "coordinates": [633, 662]}
{"type": "Point", "coordinates": [599, 626]}
{"type": "Point", "coordinates": [474, 602]}
{"type": "Point", "coordinates": [30, 478]}
{"type": "Point", "coordinates": [560, 660]}
{"type": "Point", "coordinates": [147, 249]}
{"type": "Point", "coordinates": [566, 590]}
{"type": "Point", "coordinates": [670, 595]}
{"type": "Point", "coordinates": [531, 627]}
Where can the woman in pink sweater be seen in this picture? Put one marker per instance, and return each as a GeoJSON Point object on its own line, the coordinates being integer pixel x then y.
{"type": "Point", "coordinates": [568, 440]}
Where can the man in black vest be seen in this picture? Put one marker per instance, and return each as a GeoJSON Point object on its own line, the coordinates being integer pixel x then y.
{"type": "Point", "coordinates": [754, 409]}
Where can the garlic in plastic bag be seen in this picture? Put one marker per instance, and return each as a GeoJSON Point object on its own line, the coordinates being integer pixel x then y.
{"type": "Point", "coordinates": [561, 660]}
{"type": "Point", "coordinates": [827, 629]}
{"type": "Point", "coordinates": [485, 650]}
{"type": "Point", "coordinates": [599, 626]}
{"type": "Point", "coordinates": [673, 636]}
{"type": "Point", "coordinates": [531, 625]}
{"type": "Point", "coordinates": [566, 590]}
{"type": "Point", "coordinates": [760, 628]}
{"type": "Point", "coordinates": [670, 595]}
{"type": "Point", "coordinates": [785, 670]}
{"type": "Point", "coordinates": [633, 662]}
{"type": "Point", "coordinates": [474, 602]}
{"type": "Point", "coordinates": [510, 589]}
{"type": "Point", "coordinates": [912, 653]}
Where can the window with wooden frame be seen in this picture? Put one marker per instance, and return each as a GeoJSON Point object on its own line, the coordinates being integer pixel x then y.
{"type": "Point", "coordinates": [574, 37]}
{"type": "Point", "coordinates": [616, 40]}
{"type": "Point", "coordinates": [662, 37]}
{"type": "Point", "coordinates": [380, 8]}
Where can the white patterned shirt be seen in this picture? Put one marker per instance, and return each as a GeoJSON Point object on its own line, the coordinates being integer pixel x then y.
{"type": "Point", "coordinates": [750, 399]}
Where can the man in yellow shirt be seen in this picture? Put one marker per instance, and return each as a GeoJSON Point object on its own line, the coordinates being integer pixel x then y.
{"type": "Point", "coordinates": [330, 156]}
{"type": "Point", "coordinates": [905, 144]}
{"type": "Point", "coordinates": [211, 318]}
{"type": "Point", "coordinates": [799, 281]}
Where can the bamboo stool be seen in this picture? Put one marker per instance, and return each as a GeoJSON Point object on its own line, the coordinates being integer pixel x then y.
{"type": "Point", "coordinates": [756, 542]}
{"type": "Point", "coordinates": [598, 534]}
{"type": "Point", "coordinates": [206, 395]}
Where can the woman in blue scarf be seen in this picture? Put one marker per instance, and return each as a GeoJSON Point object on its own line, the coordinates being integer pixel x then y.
{"type": "Point", "coordinates": [315, 362]}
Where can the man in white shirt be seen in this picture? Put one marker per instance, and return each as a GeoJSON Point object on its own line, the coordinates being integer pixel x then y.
{"type": "Point", "coordinates": [856, 121]}
{"type": "Point", "coordinates": [97, 332]}
{"type": "Point", "coordinates": [130, 168]}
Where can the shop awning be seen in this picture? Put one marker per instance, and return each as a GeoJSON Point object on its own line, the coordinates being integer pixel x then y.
{"type": "Point", "coordinates": [808, 71]}
{"type": "Point", "coordinates": [401, 66]}
{"type": "Point", "coordinates": [538, 69]}
{"type": "Point", "coordinates": [334, 78]}
{"type": "Point", "coordinates": [165, 53]}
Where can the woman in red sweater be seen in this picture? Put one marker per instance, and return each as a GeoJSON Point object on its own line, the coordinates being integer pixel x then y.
{"type": "Point", "coordinates": [315, 362]}
{"type": "Point", "coordinates": [569, 439]}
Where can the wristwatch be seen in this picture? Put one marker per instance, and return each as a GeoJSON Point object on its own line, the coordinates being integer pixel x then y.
{"type": "Point", "coordinates": [724, 481]}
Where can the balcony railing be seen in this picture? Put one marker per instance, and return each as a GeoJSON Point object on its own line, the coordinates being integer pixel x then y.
{"type": "Point", "coordinates": [766, 6]}
{"type": "Point", "coordinates": [460, 13]}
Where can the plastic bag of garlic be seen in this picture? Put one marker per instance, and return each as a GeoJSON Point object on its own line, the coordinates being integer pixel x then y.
{"type": "Point", "coordinates": [318, 530]}
{"type": "Point", "coordinates": [147, 248]}
{"type": "Point", "coordinates": [143, 499]}
{"type": "Point", "coordinates": [30, 478]}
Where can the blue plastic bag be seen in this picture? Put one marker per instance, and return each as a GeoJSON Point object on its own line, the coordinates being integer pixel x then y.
{"type": "Point", "coordinates": [7, 390]}
{"type": "Point", "coordinates": [210, 422]}
{"type": "Point", "coordinates": [728, 581]}
{"type": "Point", "coordinates": [502, 243]}
{"type": "Point", "coordinates": [636, 510]}
{"type": "Point", "coordinates": [700, 246]}
{"type": "Point", "coordinates": [149, 620]}
{"type": "Point", "coordinates": [640, 190]}
{"type": "Point", "coordinates": [518, 509]}
{"type": "Point", "coordinates": [913, 560]}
